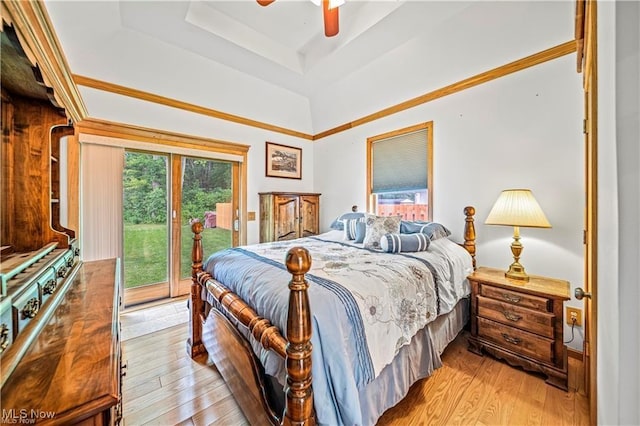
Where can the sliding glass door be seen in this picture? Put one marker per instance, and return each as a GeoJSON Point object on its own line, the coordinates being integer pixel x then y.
{"type": "Point", "coordinates": [146, 226]}
{"type": "Point", "coordinates": [163, 195]}
{"type": "Point", "coordinates": [207, 196]}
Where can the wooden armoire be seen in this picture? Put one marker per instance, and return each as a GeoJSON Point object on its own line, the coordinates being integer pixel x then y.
{"type": "Point", "coordinates": [288, 215]}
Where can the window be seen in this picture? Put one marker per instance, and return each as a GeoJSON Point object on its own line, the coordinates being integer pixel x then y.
{"type": "Point", "coordinates": [400, 173]}
{"type": "Point", "coordinates": [140, 189]}
{"type": "Point", "coordinates": [163, 193]}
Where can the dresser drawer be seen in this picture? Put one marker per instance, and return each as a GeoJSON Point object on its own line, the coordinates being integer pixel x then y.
{"type": "Point", "coordinates": [518, 341]}
{"type": "Point", "coordinates": [6, 325]}
{"type": "Point", "coordinates": [25, 307]}
{"type": "Point", "coordinates": [513, 297]}
{"type": "Point", "coordinates": [48, 284]}
{"type": "Point", "coordinates": [516, 316]}
{"type": "Point", "coordinates": [64, 264]}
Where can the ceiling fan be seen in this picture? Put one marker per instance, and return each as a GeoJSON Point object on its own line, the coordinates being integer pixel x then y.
{"type": "Point", "coordinates": [329, 13]}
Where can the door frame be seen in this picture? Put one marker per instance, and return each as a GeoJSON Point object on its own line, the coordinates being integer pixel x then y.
{"type": "Point", "coordinates": [182, 286]}
{"type": "Point", "coordinates": [160, 141]}
{"type": "Point", "coordinates": [587, 60]}
{"type": "Point", "coordinates": [158, 290]}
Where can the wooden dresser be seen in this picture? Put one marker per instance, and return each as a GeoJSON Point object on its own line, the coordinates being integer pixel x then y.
{"type": "Point", "coordinates": [288, 215]}
{"type": "Point", "coordinates": [520, 322]}
{"type": "Point", "coordinates": [71, 373]}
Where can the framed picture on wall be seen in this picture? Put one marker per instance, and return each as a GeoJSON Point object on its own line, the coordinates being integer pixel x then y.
{"type": "Point", "coordinates": [283, 161]}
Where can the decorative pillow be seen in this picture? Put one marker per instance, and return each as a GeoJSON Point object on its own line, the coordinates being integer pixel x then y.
{"type": "Point", "coordinates": [404, 243]}
{"type": "Point", "coordinates": [377, 226]}
{"type": "Point", "coordinates": [433, 230]}
{"type": "Point", "coordinates": [338, 223]}
{"type": "Point", "coordinates": [361, 231]}
{"type": "Point", "coordinates": [350, 228]}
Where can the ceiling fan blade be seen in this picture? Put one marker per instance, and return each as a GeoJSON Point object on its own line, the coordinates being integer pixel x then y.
{"type": "Point", "coordinates": [265, 2]}
{"type": "Point", "coordinates": [330, 17]}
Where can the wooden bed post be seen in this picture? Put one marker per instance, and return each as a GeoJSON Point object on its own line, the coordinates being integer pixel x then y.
{"type": "Point", "coordinates": [299, 400]}
{"type": "Point", "coordinates": [194, 341]}
{"type": "Point", "coordinates": [470, 233]}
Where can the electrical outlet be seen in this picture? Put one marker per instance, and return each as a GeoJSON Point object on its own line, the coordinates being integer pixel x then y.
{"type": "Point", "coordinates": [574, 313]}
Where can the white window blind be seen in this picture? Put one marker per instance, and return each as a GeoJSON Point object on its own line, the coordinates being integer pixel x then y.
{"type": "Point", "coordinates": [399, 163]}
{"type": "Point", "coordinates": [101, 192]}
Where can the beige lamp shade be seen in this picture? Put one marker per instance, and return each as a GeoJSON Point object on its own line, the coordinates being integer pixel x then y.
{"type": "Point", "coordinates": [517, 207]}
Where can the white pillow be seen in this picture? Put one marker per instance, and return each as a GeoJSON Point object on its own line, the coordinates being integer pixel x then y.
{"type": "Point", "coordinates": [377, 226]}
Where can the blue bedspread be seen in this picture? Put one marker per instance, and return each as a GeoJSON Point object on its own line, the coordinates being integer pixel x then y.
{"type": "Point", "coordinates": [366, 305]}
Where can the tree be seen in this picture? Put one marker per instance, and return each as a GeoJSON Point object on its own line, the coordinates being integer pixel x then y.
{"type": "Point", "coordinates": [204, 183]}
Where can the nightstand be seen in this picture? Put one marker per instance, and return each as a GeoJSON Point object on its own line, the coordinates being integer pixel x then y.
{"type": "Point", "coordinates": [520, 322]}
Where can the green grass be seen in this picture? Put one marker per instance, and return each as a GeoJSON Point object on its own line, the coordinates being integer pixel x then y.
{"type": "Point", "coordinates": [213, 239]}
{"type": "Point", "coordinates": [146, 251]}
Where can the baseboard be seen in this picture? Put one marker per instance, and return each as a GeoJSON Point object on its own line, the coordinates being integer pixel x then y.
{"type": "Point", "coordinates": [573, 353]}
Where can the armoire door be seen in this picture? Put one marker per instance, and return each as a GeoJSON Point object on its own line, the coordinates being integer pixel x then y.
{"type": "Point", "coordinates": [309, 215]}
{"type": "Point", "coordinates": [287, 216]}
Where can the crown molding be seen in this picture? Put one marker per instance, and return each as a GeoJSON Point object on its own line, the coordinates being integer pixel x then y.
{"type": "Point", "coordinates": [519, 65]}
{"type": "Point", "coordinates": [40, 43]}
{"type": "Point", "coordinates": [484, 77]}
{"type": "Point", "coordinates": [174, 103]}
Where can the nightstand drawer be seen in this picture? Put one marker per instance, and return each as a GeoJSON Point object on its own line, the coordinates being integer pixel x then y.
{"type": "Point", "coordinates": [518, 341]}
{"type": "Point", "coordinates": [520, 299]}
{"type": "Point", "coordinates": [526, 319]}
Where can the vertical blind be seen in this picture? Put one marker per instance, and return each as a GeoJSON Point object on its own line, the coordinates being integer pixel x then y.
{"type": "Point", "coordinates": [101, 192]}
{"type": "Point", "coordinates": [400, 163]}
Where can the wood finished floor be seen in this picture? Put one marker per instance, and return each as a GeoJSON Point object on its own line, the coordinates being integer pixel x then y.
{"type": "Point", "coordinates": [163, 386]}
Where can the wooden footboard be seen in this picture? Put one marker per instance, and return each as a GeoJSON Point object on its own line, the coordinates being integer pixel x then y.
{"type": "Point", "coordinates": [233, 355]}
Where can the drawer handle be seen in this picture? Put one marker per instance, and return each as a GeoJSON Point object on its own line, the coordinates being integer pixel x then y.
{"type": "Point", "coordinates": [4, 337]}
{"type": "Point", "coordinates": [30, 308]}
{"type": "Point", "coordinates": [76, 252]}
{"type": "Point", "coordinates": [510, 339]}
{"type": "Point", "coordinates": [62, 272]}
{"type": "Point", "coordinates": [511, 298]}
{"type": "Point", "coordinates": [50, 287]}
{"type": "Point", "coordinates": [69, 262]}
{"type": "Point", "coordinates": [511, 316]}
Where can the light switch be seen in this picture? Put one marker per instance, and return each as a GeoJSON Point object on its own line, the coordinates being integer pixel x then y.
{"type": "Point", "coordinates": [251, 215]}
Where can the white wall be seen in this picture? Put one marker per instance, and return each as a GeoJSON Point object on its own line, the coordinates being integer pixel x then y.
{"type": "Point", "coordinates": [523, 130]}
{"type": "Point", "coordinates": [442, 54]}
{"type": "Point", "coordinates": [145, 63]}
{"type": "Point", "coordinates": [122, 109]}
{"type": "Point", "coordinates": [618, 346]}
{"type": "Point", "coordinates": [628, 150]}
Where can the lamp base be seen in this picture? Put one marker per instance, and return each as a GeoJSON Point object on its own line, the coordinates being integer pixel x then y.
{"type": "Point", "coordinates": [516, 272]}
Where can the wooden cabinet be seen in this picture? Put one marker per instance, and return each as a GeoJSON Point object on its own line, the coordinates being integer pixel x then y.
{"type": "Point", "coordinates": [71, 373]}
{"type": "Point", "coordinates": [520, 322]}
{"type": "Point", "coordinates": [288, 215]}
{"type": "Point", "coordinates": [33, 124]}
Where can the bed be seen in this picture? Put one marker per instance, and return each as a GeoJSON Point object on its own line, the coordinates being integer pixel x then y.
{"type": "Point", "coordinates": [361, 325]}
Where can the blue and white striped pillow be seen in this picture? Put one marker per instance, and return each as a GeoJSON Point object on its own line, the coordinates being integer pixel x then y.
{"type": "Point", "coordinates": [433, 230]}
{"type": "Point", "coordinates": [351, 228]}
{"type": "Point", "coordinates": [404, 243]}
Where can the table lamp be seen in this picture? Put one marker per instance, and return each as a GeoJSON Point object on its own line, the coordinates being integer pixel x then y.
{"type": "Point", "coordinates": [517, 207]}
